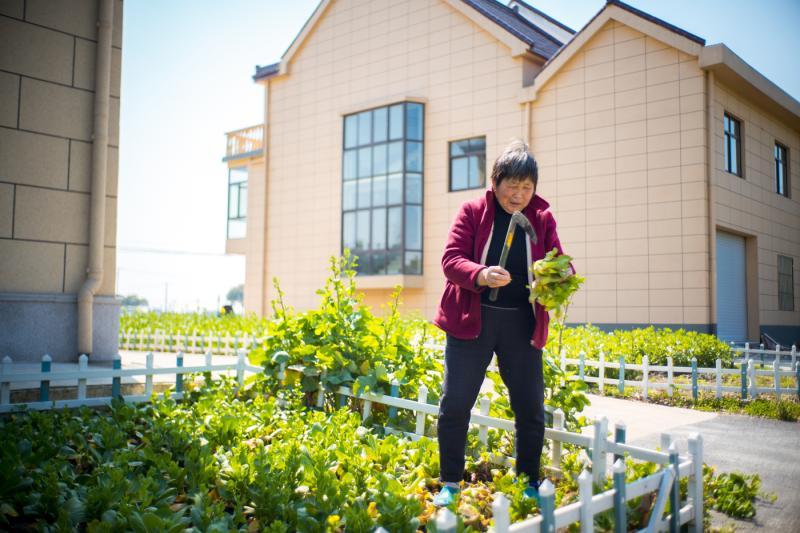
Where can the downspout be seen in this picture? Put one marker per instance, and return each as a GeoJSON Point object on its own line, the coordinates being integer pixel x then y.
{"type": "Point", "coordinates": [263, 298]}
{"type": "Point", "coordinates": [711, 126]}
{"type": "Point", "coordinates": [97, 215]}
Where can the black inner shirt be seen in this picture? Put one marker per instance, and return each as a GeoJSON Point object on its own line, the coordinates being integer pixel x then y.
{"type": "Point", "coordinates": [515, 294]}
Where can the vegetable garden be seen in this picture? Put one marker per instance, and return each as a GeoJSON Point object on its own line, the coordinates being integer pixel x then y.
{"type": "Point", "coordinates": [282, 451]}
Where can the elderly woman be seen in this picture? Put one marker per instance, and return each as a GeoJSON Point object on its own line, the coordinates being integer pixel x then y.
{"type": "Point", "coordinates": [509, 325]}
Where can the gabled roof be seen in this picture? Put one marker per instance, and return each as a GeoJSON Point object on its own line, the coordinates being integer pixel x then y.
{"type": "Point", "coordinates": [656, 20]}
{"type": "Point", "coordinates": [511, 28]}
{"type": "Point", "coordinates": [615, 10]}
{"type": "Point", "coordinates": [545, 16]}
{"type": "Point", "coordinates": [541, 42]}
{"type": "Point", "coordinates": [728, 67]}
{"type": "Point", "coordinates": [266, 71]}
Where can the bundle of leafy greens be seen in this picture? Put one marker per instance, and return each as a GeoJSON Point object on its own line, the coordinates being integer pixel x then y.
{"type": "Point", "coordinates": [554, 284]}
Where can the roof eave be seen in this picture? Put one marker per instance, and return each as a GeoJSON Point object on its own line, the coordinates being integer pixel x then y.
{"type": "Point", "coordinates": [739, 75]}
{"type": "Point", "coordinates": [622, 13]}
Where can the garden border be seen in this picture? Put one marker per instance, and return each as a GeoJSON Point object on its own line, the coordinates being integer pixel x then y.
{"type": "Point", "coordinates": [665, 482]}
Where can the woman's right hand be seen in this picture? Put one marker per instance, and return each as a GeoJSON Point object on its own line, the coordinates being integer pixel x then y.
{"type": "Point", "coordinates": [494, 276]}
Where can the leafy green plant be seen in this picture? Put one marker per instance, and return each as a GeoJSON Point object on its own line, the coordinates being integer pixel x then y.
{"type": "Point", "coordinates": [733, 493]}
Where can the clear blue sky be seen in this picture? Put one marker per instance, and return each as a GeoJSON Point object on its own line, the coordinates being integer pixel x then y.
{"type": "Point", "coordinates": [186, 68]}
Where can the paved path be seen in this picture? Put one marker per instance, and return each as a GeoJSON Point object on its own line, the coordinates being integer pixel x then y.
{"type": "Point", "coordinates": [770, 448]}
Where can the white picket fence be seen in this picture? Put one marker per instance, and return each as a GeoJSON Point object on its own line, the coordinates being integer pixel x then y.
{"type": "Point", "coordinates": [665, 482]}
{"type": "Point", "coordinates": [762, 356]}
{"type": "Point", "coordinates": [186, 342]}
{"type": "Point", "coordinates": [747, 373]}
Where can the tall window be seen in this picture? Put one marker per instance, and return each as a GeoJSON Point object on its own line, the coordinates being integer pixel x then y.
{"type": "Point", "coordinates": [733, 145]}
{"type": "Point", "coordinates": [382, 188]}
{"type": "Point", "coordinates": [785, 283]}
{"type": "Point", "coordinates": [237, 202]}
{"type": "Point", "coordinates": [468, 164]}
{"type": "Point", "coordinates": [781, 170]}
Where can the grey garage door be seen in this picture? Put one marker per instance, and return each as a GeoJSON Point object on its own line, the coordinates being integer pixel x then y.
{"type": "Point", "coordinates": [731, 288]}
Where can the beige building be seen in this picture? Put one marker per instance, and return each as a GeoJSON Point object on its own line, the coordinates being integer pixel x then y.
{"type": "Point", "coordinates": [59, 138]}
{"type": "Point", "coordinates": [671, 165]}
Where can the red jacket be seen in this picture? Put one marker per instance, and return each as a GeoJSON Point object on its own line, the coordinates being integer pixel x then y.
{"type": "Point", "coordinates": [459, 312]}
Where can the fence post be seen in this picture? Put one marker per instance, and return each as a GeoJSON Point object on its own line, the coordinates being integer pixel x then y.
{"type": "Point", "coordinates": [665, 440]}
{"type": "Point", "coordinates": [621, 385]}
{"type": "Point", "coordinates": [753, 384]}
{"type": "Point", "coordinates": [83, 366]}
{"type": "Point", "coordinates": [235, 342]}
{"type": "Point", "coordinates": [585, 496]}
{"type": "Point", "coordinates": [599, 450]}
{"type": "Point", "coordinates": [240, 367]}
{"type": "Point", "coordinates": [207, 375]}
{"type": "Point", "coordinates": [422, 397]}
{"type": "Point", "coordinates": [761, 350]}
{"type": "Point", "coordinates": [719, 377]}
{"type": "Point", "coordinates": [394, 391]}
{"type": "Point", "coordinates": [483, 430]}
{"type": "Point", "coordinates": [148, 378]}
{"type": "Point", "coordinates": [776, 370]}
{"type": "Point", "coordinates": [669, 376]}
{"type": "Point", "coordinates": [778, 353]}
{"type": "Point", "coordinates": [500, 507]}
{"type": "Point", "coordinates": [696, 481]}
{"type": "Point", "coordinates": [179, 375]}
{"type": "Point", "coordinates": [555, 451]}
{"type": "Point", "coordinates": [581, 363]}
{"type": "Point", "coordinates": [44, 386]}
{"type": "Point", "coordinates": [446, 521]}
{"type": "Point", "coordinates": [794, 356]}
{"type": "Point", "coordinates": [675, 493]}
{"type": "Point", "coordinates": [694, 378]}
{"type": "Point", "coordinates": [601, 374]}
{"type": "Point", "coordinates": [747, 352]}
{"type": "Point", "coordinates": [321, 391]}
{"type": "Point", "coordinates": [547, 506]}
{"type": "Point", "coordinates": [5, 386]}
{"type": "Point", "coordinates": [645, 376]}
{"type": "Point", "coordinates": [797, 378]}
{"type": "Point", "coordinates": [744, 380]}
{"type": "Point", "coordinates": [116, 382]}
{"type": "Point", "coordinates": [619, 438]}
{"type": "Point", "coordinates": [563, 361]}
{"type": "Point", "coordinates": [366, 408]}
{"type": "Point", "coordinates": [620, 505]}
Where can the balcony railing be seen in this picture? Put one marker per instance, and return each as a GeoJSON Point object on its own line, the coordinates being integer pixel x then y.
{"type": "Point", "coordinates": [246, 142]}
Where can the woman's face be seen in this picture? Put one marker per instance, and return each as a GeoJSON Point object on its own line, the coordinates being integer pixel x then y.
{"type": "Point", "coordinates": [514, 194]}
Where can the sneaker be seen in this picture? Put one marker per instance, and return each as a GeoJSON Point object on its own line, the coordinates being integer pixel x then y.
{"type": "Point", "coordinates": [446, 496]}
{"type": "Point", "coordinates": [531, 492]}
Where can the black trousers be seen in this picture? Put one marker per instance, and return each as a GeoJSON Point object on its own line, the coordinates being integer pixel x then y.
{"type": "Point", "coordinates": [506, 332]}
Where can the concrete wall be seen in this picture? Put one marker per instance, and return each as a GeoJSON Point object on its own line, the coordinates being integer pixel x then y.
{"type": "Point", "coordinates": [750, 206]}
{"type": "Point", "coordinates": [362, 55]}
{"type": "Point", "coordinates": [619, 134]}
{"type": "Point", "coordinates": [47, 61]}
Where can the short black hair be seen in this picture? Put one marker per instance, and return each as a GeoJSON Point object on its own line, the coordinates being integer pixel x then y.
{"type": "Point", "coordinates": [515, 163]}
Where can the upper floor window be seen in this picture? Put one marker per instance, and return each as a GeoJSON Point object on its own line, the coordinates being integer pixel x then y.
{"type": "Point", "coordinates": [237, 202]}
{"type": "Point", "coordinates": [468, 164]}
{"type": "Point", "coordinates": [785, 283]}
{"type": "Point", "coordinates": [781, 169]}
{"type": "Point", "coordinates": [382, 176]}
{"type": "Point", "coordinates": [733, 145]}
